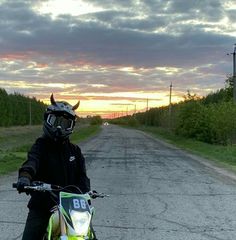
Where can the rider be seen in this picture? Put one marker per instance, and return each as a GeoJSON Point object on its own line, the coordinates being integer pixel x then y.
{"type": "Point", "coordinates": [52, 159]}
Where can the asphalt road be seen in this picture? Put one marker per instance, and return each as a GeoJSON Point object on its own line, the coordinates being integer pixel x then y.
{"type": "Point", "coordinates": [156, 192]}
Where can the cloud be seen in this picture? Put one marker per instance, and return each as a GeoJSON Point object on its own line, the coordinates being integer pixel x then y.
{"type": "Point", "coordinates": [124, 42]}
{"type": "Point", "coordinates": [125, 46]}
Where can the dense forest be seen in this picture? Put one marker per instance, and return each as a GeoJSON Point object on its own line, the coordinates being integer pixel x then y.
{"type": "Point", "coordinates": [17, 109]}
{"type": "Point", "coordinates": [210, 119]}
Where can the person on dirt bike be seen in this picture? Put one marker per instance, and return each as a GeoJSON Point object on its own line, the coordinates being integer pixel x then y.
{"type": "Point", "coordinates": [52, 159]}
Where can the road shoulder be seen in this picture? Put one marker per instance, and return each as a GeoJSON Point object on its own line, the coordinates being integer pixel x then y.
{"type": "Point", "coordinates": [217, 167]}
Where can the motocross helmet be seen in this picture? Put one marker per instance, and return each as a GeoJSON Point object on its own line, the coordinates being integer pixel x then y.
{"type": "Point", "coordinates": [59, 119]}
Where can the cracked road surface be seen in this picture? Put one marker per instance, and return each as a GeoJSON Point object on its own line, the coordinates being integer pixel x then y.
{"type": "Point", "coordinates": [156, 192]}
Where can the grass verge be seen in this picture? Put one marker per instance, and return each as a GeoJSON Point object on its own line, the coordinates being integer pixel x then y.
{"type": "Point", "coordinates": [14, 145]}
{"type": "Point", "coordinates": [82, 133]}
{"type": "Point", "coordinates": [224, 156]}
{"type": "Point", "coordinates": [10, 162]}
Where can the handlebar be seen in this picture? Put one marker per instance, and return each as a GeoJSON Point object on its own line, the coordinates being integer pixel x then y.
{"type": "Point", "coordinates": [43, 187]}
{"type": "Point", "coordinates": [40, 186]}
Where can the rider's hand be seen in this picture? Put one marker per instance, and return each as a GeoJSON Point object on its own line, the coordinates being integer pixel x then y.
{"type": "Point", "coordinates": [21, 183]}
{"type": "Point", "coordinates": [94, 194]}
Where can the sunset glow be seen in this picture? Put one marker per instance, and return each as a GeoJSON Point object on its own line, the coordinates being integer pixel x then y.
{"type": "Point", "coordinates": [115, 57]}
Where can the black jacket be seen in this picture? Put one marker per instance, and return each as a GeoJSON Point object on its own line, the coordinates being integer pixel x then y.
{"type": "Point", "coordinates": [59, 163]}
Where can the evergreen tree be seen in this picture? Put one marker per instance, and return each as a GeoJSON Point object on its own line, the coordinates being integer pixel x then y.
{"type": "Point", "coordinates": [17, 109]}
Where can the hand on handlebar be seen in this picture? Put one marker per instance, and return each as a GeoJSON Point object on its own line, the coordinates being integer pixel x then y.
{"type": "Point", "coordinates": [94, 194]}
{"type": "Point", "coordinates": [21, 183]}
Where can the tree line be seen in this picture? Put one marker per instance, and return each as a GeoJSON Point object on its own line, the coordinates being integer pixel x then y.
{"type": "Point", "coordinates": [17, 109]}
{"type": "Point", "coordinates": [210, 119]}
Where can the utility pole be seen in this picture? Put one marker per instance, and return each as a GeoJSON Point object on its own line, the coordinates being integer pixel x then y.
{"type": "Point", "coordinates": [170, 105]}
{"type": "Point", "coordinates": [234, 73]}
{"type": "Point", "coordinates": [147, 105]}
{"type": "Point", "coordinates": [30, 113]}
{"type": "Point", "coordinates": [170, 98]}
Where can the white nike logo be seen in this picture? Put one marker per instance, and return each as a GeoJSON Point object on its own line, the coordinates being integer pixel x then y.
{"type": "Point", "coordinates": [72, 158]}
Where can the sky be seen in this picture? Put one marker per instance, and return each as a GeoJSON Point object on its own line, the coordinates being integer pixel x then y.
{"type": "Point", "coordinates": [116, 57]}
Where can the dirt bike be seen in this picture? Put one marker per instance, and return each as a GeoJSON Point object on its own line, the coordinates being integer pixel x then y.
{"type": "Point", "coordinates": [71, 218]}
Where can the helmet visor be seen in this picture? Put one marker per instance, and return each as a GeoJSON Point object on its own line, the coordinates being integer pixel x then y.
{"type": "Point", "coordinates": [60, 121]}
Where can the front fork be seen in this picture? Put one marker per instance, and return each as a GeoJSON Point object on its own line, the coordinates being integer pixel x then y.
{"type": "Point", "coordinates": [62, 226]}
{"type": "Point", "coordinates": [92, 233]}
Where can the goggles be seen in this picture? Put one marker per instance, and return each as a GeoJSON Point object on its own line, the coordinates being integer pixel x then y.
{"type": "Point", "coordinates": [60, 121]}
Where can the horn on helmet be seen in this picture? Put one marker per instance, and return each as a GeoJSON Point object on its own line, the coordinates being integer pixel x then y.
{"type": "Point", "coordinates": [53, 102]}
{"type": "Point", "coordinates": [76, 106]}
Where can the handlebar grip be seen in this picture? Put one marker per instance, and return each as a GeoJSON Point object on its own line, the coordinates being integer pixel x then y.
{"type": "Point", "coordinates": [14, 185]}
